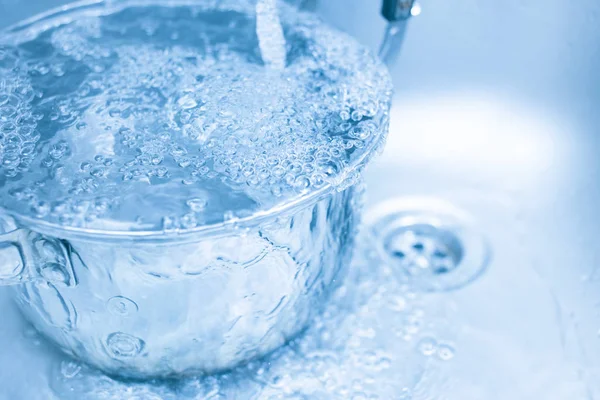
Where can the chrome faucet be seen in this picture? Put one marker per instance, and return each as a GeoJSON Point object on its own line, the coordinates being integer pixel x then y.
{"type": "Point", "coordinates": [397, 12]}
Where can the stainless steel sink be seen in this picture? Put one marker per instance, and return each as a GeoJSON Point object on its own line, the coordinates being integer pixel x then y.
{"type": "Point", "coordinates": [496, 113]}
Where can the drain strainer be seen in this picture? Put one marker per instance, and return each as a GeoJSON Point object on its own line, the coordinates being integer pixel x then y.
{"type": "Point", "coordinates": [429, 244]}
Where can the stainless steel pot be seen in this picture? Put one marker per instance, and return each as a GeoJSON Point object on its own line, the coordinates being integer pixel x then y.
{"type": "Point", "coordinates": [145, 308]}
{"type": "Point", "coordinates": [158, 305]}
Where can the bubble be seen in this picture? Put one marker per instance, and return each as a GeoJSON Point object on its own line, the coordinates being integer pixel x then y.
{"type": "Point", "coordinates": [357, 115]}
{"type": "Point", "coordinates": [189, 221]}
{"type": "Point", "coordinates": [123, 345]}
{"type": "Point", "coordinates": [168, 223]}
{"type": "Point", "coordinates": [445, 352]}
{"type": "Point", "coordinates": [345, 116]}
{"type": "Point", "coordinates": [384, 363]}
{"type": "Point", "coordinates": [368, 333]}
{"type": "Point", "coordinates": [428, 346]}
{"type": "Point", "coordinates": [301, 183]}
{"type": "Point", "coordinates": [359, 132]}
{"type": "Point", "coordinates": [398, 303]}
{"type": "Point", "coordinates": [69, 369]}
{"type": "Point", "coordinates": [187, 102]}
{"type": "Point", "coordinates": [58, 70]}
{"type": "Point", "coordinates": [197, 204]}
{"type": "Point", "coordinates": [121, 306]}
{"type": "Point", "coordinates": [97, 172]}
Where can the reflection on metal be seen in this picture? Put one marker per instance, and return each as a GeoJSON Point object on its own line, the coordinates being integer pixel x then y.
{"type": "Point", "coordinates": [397, 12]}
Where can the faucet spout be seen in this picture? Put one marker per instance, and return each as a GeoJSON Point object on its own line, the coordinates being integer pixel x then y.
{"type": "Point", "coordinates": [397, 12]}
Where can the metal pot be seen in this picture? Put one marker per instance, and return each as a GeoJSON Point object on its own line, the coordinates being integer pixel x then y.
{"type": "Point", "coordinates": [168, 304]}
{"type": "Point", "coordinates": [145, 308]}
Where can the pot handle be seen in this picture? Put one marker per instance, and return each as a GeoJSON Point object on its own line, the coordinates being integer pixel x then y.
{"type": "Point", "coordinates": [27, 256]}
{"type": "Point", "coordinates": [16, 258]}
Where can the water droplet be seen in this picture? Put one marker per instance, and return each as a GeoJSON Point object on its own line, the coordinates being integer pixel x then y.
{"type": "Point", "coordinates": [197, 204]}
{"type": "Point", "coordinates": [301, 183]}
{"type": "Point", "coordinates": [397, 303]}
{"type": "Point", "coordinates": [357, 115]}
{"type": "Point", "coordinates": [188, 221]}
{"type": "Point", "coordinates": [187, 102]}
{"type": "Point", "coordinates": [168, 223]}
{"type": "Point", "coordinates": [344, 115]}
{"type": "Point", "coordinates": [384, 363]}
{"type": "Point", "coordinates": [368, 333]}
{"type": "Point", "coordinates": [121, 306]}
{"type": "Point", "coordinates": [428, 346]}
{"type": "Point", "coordinates": [445, 352]}
{"type": "Point", "coordinates": [123, 345]}
{"type": "Point", "coordinates": [69, 369]}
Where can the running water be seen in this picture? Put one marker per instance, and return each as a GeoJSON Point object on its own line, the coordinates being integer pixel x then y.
{"type": "Point", "coordinates": [270, 34]}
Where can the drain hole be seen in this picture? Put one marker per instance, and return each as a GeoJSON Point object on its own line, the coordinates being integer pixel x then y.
{"type": "Point", "coordinates": [418, 246]}
{"type": "Point", "coordinates": [441, 270]}
{"type": "Point", "coordinates": [422, 249]}
{"type": "Point", "coordinates": [399, 254]}
{"type": "Point", "coordinates": [429, 244]}
{"type": "Point", "coordinates": [440, 254]}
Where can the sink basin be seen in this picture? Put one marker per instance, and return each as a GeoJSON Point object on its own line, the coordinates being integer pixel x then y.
{"type": "Point", "coordinates": [495, 116]}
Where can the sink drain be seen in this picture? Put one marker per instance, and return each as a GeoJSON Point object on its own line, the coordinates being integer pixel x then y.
{"type": "Point", "coordinates": [429, 244]}
{"type": "Point", "coordinates": [424, 249]}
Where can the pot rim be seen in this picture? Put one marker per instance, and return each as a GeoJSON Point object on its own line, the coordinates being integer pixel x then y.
{"type": "Point", "coordinates": [240, 225]}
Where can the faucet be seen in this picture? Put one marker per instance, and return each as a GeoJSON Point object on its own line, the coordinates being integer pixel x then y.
{"type": "Point", "coordinates": [397, 12]}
